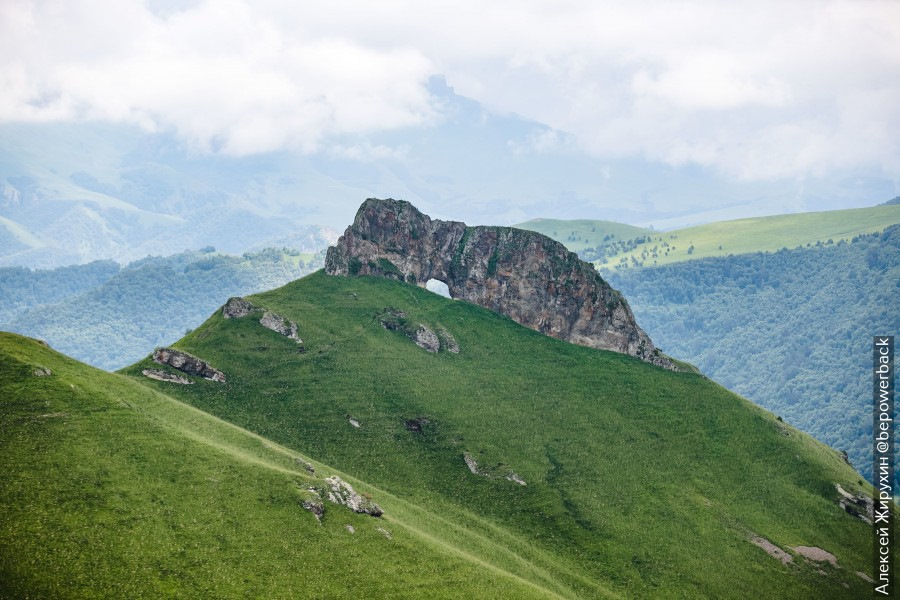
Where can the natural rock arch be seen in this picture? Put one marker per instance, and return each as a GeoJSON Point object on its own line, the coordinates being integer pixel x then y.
{"type": "Point", "coordinates": [438, 287]}
{"type": "Point", "coordinates": [524, 275]}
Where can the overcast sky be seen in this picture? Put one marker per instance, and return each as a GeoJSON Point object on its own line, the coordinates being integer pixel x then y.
{"type": "Point", "coordinates": [754, 90]}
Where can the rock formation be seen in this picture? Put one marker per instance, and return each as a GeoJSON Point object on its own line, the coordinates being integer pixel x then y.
{"type": "Point", "coordinates": [166, 376]}
{"type": "Point", "coordinates": [187, 363]}
{"type": "Point", "coordinates": [524, 275]}
{"type": "Point", "coordinates": [341, 492]}
{"type": "Point", "coordinates": [423, 336]}
{"type": "Point", "coordinates": [279, 324]}
{"type": "Point", "coordinates": [237, 308]}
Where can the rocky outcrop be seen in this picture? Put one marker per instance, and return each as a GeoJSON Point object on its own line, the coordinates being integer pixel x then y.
{"type": "Point", "coordinates": [166, 376]}
{"type": "Point", "coordinates": [187, 363]}
{"type": "Point", "coordinates": [771, 549]}
{"type": "Point", "coordinates": [816, 554]}
{"type": "Point", "coordinates": [237, 308]}
{"type": "Point", "coordinates": [426, 339]}
{"type": "Point", "coordinates": [448, 342]}
{"type": "Point", "coordinates": [313, 503]}
{"type": "Point", "coordinates": [308, 467]}
{"type": "Point", "coordinates": [491, 473]}
{"type": "Point", "coordinates": [279, 324]}
{"type": "Point", "coordinates": [423, 336]}
{"type": "Point", "coordinates": [524, 275]}
{"type": "Point", "coordinates": [341, 492]}
{"type": "Point", "coordinates": [860, 505]}
{"type": "Point", "coordinates": [337, 491]}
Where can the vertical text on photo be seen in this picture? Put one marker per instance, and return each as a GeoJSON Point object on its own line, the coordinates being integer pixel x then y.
{"type": "Point", "coordinates": [883, 462]}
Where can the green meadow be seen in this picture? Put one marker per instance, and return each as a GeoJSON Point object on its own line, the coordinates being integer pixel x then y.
{"type": "Point", "coordinates": [722, 238]}
{"type": "Point", "coordinates": [639, 482]}
{"type": "Point", "coordinates": [578, 234]}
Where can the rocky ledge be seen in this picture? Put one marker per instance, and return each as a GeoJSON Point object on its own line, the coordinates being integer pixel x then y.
{"type": "Point", "coordinates": [524, 275]}
{"type": "Point", "coordinates": [237, 308]}
{"type": "Point", "coordinates": [187, 363]}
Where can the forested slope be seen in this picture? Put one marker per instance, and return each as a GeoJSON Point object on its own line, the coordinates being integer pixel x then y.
{"type": "Point", "coordinates": [791, 330]}
{"type": "Point", "coordinates": [109, 317]}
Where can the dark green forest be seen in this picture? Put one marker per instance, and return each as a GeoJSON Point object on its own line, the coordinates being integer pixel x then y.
{"type": "Point", "coordinates": [791, 330]}
{"type": "Point", "coordinates": [22, 288]}
{"type": "Point", "coordinates": [110, 316]}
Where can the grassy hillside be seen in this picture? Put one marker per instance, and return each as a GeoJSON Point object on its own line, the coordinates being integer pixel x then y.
{"type": "Point", "coordinates": [791, 330]}
{"type": "Point", "coordinates": [578, 234]}
{"type": "Point", "coordinates": [112, 490]}
{"type": "Point", "coordinates": [639, 482]}
{"type": "Point", "coordinates": [723, 238]}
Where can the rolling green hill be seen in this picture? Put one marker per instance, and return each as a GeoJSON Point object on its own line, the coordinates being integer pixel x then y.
{"type": "Point", "coordinates": [636, 480]}
{"type": "Point", "coordinates": [790, 330]}
{"type": "Point", "coordinates": [579, 234]}
{"type": "Point", "coordinates": [723, 238]}
{"type": "Point", "coordinates": [110, 489]}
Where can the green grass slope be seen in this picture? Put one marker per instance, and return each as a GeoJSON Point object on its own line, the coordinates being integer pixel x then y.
{"type": "Point", "coordinates": [578, 234]}
{"type": "Point", "coordinates": [723, 238]}
{"type": "Point", "coordinates": [110, 489]}
{"type": "Point", "coordinates": [640, 482]}
{"type": "Point", "coordinates": [790, 330]}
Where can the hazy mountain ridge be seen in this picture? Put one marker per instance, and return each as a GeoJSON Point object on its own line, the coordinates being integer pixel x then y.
{"type": "Point", "coordinates": [616, 246]}
{"type": "Point", "coordinates": [76, 192]}
{"type": "Point", "coordinates": [111, 316]}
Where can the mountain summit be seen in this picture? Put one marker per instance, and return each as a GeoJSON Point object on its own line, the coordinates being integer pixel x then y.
{"type": "Point", "coordinates": [524, 275]}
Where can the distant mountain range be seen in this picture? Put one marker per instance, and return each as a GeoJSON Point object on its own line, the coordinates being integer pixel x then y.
{"type": "Point", "coordinates": [109, 315]}
{"type": "Point", "coordinates": [614, 246]}
{"type": "Point", "coordinates": [77, 192]}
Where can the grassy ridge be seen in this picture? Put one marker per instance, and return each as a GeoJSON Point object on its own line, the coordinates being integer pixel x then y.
{"type": "Point", "coordinates": [760, 234]}
{"type": "Point", "coordinates": [113, 490]}
{"type": "Point", "coordinates": [790, 330]}
{"type": "Point", "coordinates": [637, 479]}
{"type": "Point", "coordinates": [578, 234]}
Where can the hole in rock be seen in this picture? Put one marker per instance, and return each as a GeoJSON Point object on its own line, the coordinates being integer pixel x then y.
{"type": "Point", "coordinates": [438, 287]}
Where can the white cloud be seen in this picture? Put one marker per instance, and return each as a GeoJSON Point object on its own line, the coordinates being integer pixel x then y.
{"type": "Point", "coordinates": [754, 89]}
{"type": "Point", "coordinates": [226, 77]}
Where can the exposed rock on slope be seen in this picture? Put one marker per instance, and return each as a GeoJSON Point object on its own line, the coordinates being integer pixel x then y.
{"type": "Point", "coordinates": [237, 308]}
{"type": "Point", "coordinates": [166, 376]}
{"type": "Point", "coordinates": [341, 492]}
{"type": "Point", "coordinates": [524, 275]}
{"type": "Point", "coordinates": [279, 324]}
{"type": "Point", "coordinates": [187, 363]}
{"type": "Point", "coordinates": [491, 473]}
{"type": "Point", "coordinates": [424, 337]}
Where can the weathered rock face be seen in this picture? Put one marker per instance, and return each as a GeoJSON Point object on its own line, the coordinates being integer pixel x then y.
{"type": "Point", "coordinates": [423, 336]}
{"type": "Point", "coordinates": [237, 308]}
{"type": "Point", "coordinates": [166, 376]}
{"type": "Point", "coordinates": [341, 492]}
{"type": "Point", "coordinates": [279, 324]}
{"type": "Point", "coordinates": [187, 363]}
{"type": "Point", "coordinates": [524, 275]}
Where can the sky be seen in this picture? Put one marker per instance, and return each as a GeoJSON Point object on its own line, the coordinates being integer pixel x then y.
{"type": "Point", "coordinates": [753, 90]}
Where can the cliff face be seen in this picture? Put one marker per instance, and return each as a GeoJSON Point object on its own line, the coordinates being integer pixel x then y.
{"type": "Point", "coordinates": [526, 276]}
